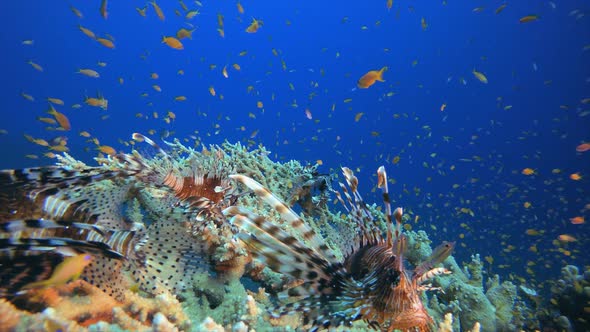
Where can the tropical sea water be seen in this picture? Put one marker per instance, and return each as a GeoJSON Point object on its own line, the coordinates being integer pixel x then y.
{"type": "Point", "coordinates": [460, 166]}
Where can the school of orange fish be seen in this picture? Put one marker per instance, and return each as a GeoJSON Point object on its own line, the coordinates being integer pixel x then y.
{"type": "Point", "coordinates": [548, 244]}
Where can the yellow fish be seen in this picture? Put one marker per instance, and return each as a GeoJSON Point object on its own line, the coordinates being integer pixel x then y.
{"type": "Point", "coordinates": [158, 11]}
{"type": "Point", "coordinates": [105, 42]}
{"type": "Point", "coordinates": [68, 270]}
{"type": "Point", "coordinates": [528, 18]}
{"type": "Point", "coordinates": [254, 26]}
{"type": "Point", "coordinates": [481, 77]}
{"type": "Point", "coordinates": [173, 43]}
{"type": "Point", "coordinates": [87, 32]}
{"type": "Point", "coordinates": [184, 33]}
{"type": "Point", "coordinates": [63, 120]}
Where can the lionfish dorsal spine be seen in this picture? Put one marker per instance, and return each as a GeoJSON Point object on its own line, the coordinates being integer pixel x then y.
{"type": "Point", "coordinates": [275, 247]}
{"type": "Point", "coordinates": [383, 184]}
{"type": "Point", "coordinates": [294, 221]}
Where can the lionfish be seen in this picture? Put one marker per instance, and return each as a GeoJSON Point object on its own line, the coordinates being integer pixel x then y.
{"type": "Point", "coordinates": [50, 213]}
{"type": "Point", "coordinates": [371, 282]}
{"type": "Point", "coordinates": [202, 191]}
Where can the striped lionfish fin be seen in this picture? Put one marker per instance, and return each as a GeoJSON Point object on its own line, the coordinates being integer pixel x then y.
{"type": "Point", "coordinates": [42, 178]}
{"type": "Point", "coordinates": [38, 194]}
{"type": "Point", "coordinates": [18, 271]}
{"type": "Point", "coordinates": [56, 244]}
{"type": "Point", "coordinates": [294, 221]}
{"type": "Point", "coordinates": [141, 138]}
{"type": "Point", "coordinates": [274, 247]}
{"type": "Point", "coordinates": [13, 226]}
{"type": "Point", "coordinates": [358, 211]}
{"type": "Point", "coordinates": [346, 303]}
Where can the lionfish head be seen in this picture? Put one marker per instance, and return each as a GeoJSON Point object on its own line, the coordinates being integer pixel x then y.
{"type": "Point", "coordinates": [200, 183]}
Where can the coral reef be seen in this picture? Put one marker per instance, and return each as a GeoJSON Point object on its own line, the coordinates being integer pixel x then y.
{"type": "Point", "coordinates": [236, 293]}
{"type": "Point", "coordinates": [570, 300]}
{"type": "Point", "coordinates": [79, 306]}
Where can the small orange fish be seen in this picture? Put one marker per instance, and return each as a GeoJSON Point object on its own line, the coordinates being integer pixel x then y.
{"type": "Point", "coordinates": [141, 11]}
{"type": "Point", "coordinates": [566, 238]}
{"type": "Point", "coordinates": [577, 220]}
{"type": "Point", "coordinates": [371, 77]}
{"type": "Point", "coordinates": [500, 9]}
{"type": "Point", "coordinates": [254, 26]}
{"type": "Point", "coordinates": [528, 18]}
{"type": "Point", "coordinates": [107, 150]}
{"type": "Point", "coordinates": [240, 8]}
{"type": "Point", "coordinates": [184, 33]}
{"type": "Point", "coordinates": [68, 270]}
{"type": "Point", "coordinates": [575, 176]}
{"type": "Point", "coordinates": [583, 147]}
{"type": "Point", "coordinates": [97, 102]}
{"type": "Point", "coordinates": [173, 43]}
{"type": "Point", "coordinates": [76, 12]}
{"type": "Point", "coordinates": [158, 11]}
{"type": "Point", "coordinates": [105, 42]}
{"type": "Point", "coordinates": [103, 9]}
{"type": "Point", "coordinates": [212, 91]}
{"type": "Point", "coordinates": [55, 101]}
{"type": "Point", "coordinates": [528, 171]}
{"type": "Point", "coordinates": [63, 120]}
{"type": "Point", "coordinates": [87, 32]}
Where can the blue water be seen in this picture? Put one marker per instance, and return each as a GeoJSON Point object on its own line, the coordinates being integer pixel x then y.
{"type": "Point", "coordinates": [468, 156]}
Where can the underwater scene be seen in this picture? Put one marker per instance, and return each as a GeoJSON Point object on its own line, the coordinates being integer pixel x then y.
{"type": "Point", "coordinates": [243, 165]}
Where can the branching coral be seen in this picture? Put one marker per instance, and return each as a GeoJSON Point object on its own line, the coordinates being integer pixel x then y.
{"type": "Point", "coordinates": [78, 304]}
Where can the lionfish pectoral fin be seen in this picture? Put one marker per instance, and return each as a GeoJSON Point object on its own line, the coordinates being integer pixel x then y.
{"type": "Point", "coordinates": [293, 220]}
{"type": "Point", "coordinates": [55, 243]}
{"type": "Point", "coordinates": [274, 247]}
{"type": "Point", "coordinates": [168, 259]}
{"type": "Point", "coordinates": [20, 270]}
{"type": "Point", "coordinates": [13, 226]}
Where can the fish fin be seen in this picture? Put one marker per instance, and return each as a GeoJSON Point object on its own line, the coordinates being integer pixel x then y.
{"type": "Point", "coordinates": [19, 225]}
{"type": "Point", "coordinates": [21, 269]}
{"type": "Point", "coordinates": [316, 243]}
{"type": "Point", "coordinates": [168, 259]}
{"type": "Point", "coordinates": [107, 275]}
{"type": "Point", "coordinates": [50, 244]}
{"type": "Point", "coordinates": [345, 303]}
{"type": "Point", "coordinates": [280, 251]}
{"type": "Point", "coordinates": [55, 177]}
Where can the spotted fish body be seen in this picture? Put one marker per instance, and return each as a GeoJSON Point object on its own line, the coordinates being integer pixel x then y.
{"type": "Point", "coordinates": [370, 283]}
{"type": "Point", "coordinates": [48, 214]}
